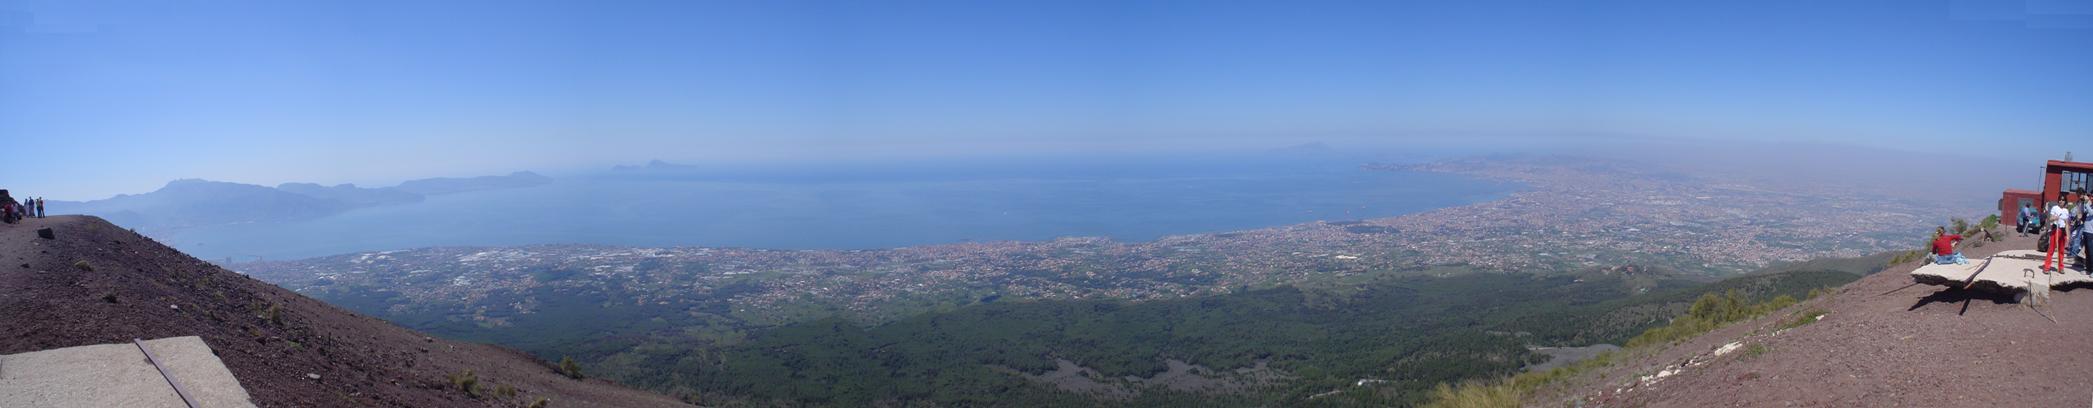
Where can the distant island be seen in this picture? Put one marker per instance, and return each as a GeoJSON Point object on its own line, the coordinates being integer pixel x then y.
{"type": "Point", "coordinates": [654, 165]}
{"type": "Point", "coordinates": [453, 185]}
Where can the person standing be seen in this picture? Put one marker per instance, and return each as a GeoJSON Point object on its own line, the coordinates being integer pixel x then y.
{"type": "Point", "coordinates": [2074, 210]}
{"type": "Point", "coordinates": [2059, 223]}
{"type": "Point", "coordinates": [2084, 241]}
{"type": "Point", "coordinates": [2029, 220]}
{"type": "Point", "coordinates": [39, 207]}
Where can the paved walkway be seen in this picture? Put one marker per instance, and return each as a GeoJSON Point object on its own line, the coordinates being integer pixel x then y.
{"type": "Point", "coordinates": [2009, 271]}
{"type": "Point", "coordinates": [119, 375]}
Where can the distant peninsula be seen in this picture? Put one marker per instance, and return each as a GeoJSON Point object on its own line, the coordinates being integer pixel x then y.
{"type": "Point", "coordinates": [189, 203]}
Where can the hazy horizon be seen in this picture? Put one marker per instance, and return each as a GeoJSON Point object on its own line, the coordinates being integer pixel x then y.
{"type": "Point", "coordinates": [107, 97]}
{"type": "Point", "coordinates": [1865, 163]}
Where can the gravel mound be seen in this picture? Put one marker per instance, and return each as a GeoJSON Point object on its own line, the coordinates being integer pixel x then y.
{"type": "Point", "coordinates": [95, 283]}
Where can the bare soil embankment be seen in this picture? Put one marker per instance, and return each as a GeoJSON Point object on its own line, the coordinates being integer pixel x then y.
{"type": "Point", "coordinates": [1882, 341]}
{"type": "Point", "coordinates": [96, 283]}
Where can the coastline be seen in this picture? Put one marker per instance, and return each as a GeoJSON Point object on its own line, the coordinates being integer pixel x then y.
{"type": "Point", "coordinates": [855, 217]}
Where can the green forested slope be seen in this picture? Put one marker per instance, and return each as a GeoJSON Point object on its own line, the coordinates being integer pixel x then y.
{"type": "Point", "coordinates": [1412, 333]}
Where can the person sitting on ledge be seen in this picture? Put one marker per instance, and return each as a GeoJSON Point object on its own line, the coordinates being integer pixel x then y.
{"type": "Point", "coordinates": [8, 212]}
{"type": "Point", "coordinates": [1944, 252]}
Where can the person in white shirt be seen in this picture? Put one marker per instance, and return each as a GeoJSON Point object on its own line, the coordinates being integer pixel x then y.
{"type": "Point", "coordinates": [2059, 224]}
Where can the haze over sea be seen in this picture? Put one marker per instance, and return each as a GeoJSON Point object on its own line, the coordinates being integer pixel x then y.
{"type": "Point", "coordinates": [848, 206]}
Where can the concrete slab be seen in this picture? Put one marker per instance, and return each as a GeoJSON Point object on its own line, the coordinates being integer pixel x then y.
{"type": "Point", "coordinates": [2009, 272]}
{"type": "Point", "coordinates": [118, 375]}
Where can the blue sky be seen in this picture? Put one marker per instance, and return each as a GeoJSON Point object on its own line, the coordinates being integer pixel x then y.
{"type": "Point", "coordinates": [102, 98]}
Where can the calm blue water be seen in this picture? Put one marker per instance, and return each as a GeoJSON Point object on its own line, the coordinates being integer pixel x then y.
{"type": "Point", "coordinates": [1126, 201]}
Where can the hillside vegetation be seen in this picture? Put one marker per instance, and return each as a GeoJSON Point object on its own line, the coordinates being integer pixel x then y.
{"type": "Point", "coordinates": [1383, 343]}
{"type": "Point", "coordinates": [1374, 338]}
{"type": "Point", "coordinates": [1717, 305]}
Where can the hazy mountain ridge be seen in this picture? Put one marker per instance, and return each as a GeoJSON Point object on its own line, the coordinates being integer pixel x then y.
{"type": "Point", "coordinates": [452, 185]}
{"type": "Point", "coordinates": [195, 202]}
{"type": "Point", "coordinates": [192, 202]}
{"type": "Point", "coordinates": [352, 195]}
{"type": "Point", "coordinates": [653, 165]}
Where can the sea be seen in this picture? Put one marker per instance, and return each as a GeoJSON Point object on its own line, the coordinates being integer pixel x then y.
{"type": "Point", "coordinates": [865, 206]}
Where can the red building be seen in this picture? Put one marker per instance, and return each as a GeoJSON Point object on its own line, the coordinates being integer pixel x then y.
{"type": "Point", "coordinates": [2066, 177]}
{"type": "Point", "coordinates": [2009, 205]}
{"type": "Point", "coordinates": [2058, 178]}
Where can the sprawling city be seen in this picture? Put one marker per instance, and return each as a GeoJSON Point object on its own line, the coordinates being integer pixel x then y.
{"type": "Point", "coordinates": [1575, 214]}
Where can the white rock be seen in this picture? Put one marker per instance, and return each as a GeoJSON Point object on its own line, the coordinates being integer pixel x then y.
{"type": "Point", "coordinates": [1727, 348]}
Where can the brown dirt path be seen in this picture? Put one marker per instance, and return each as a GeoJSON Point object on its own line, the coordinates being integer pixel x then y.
{"type": "Point", "coordinates": [1878, 346]}
{"type": "Point", "coordinates": [133, 287]}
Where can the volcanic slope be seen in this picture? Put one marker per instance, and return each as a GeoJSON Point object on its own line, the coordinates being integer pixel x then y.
{"type": "Point", "coordinates": [1881, 341]}
{"type": "Point", "coordinates": [96, 283]}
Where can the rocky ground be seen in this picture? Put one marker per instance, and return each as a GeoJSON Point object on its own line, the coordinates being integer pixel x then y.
{"type": "Point", "coordinates": [96, 283]}
{"type": "Point", "coordinates": [1881, 341]}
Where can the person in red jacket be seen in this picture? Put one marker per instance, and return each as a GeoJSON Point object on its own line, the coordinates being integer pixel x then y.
{"type": "Point", "coordinates": [1944, 252]}
{"type": "Point", "coordinates": [8, 212]}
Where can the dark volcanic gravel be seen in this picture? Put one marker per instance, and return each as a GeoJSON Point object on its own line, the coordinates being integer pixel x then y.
{"type": "Point", "coordinates": [97, 283]}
